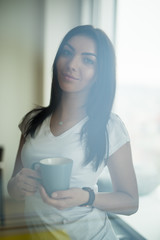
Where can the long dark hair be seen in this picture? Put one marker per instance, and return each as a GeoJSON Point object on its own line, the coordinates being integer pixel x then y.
{"type": "Point", "coordinates": [100, 99]}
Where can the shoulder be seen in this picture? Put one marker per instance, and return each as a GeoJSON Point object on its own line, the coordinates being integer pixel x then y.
{"type": "Point", "coordinates": [117, 133]}
{"type": "Point", "coordinates": [116, 123]}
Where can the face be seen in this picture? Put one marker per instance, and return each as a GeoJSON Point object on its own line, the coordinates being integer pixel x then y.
{"type": "Point", "coordinates": [76, 65]}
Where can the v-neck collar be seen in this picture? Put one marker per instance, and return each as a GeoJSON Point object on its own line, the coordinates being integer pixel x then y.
{"type": "Point", "coordinates": [80, 123]}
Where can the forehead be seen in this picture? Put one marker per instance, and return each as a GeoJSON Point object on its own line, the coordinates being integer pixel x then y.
{"type": "Point", "coordinates": [82, 43]}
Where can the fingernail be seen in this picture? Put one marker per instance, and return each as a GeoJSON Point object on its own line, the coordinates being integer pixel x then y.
{"type": "Point", "coordinates": [54, 195]}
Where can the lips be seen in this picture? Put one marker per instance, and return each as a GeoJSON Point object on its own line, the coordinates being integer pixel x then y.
{"type": "Point", "coordinates": [69, 77]}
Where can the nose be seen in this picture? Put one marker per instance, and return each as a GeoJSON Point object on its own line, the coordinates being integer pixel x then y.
{"type": "Point", "coordinates": [73, 63]}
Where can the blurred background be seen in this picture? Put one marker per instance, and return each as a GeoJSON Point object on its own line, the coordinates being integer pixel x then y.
{"type": "Point", "coordinates": [30, 33]}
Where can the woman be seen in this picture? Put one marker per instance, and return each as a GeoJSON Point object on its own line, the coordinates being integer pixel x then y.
{"type": "Point", "coordinates": [77, 124]}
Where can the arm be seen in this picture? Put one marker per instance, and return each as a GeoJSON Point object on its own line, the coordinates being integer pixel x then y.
{"type": "Point", "coordinates": [22, 182]}
{"type": "Point", "coordinates": [124, 198]}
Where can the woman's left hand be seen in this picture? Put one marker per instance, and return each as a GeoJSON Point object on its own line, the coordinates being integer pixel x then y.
{"type": "Point", "coordinates": [65, 199]}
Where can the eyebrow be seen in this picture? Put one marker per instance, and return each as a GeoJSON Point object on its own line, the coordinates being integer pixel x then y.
{"type": "Point", "coordinates": [87, 53]}
{"type": "Point", "coordinates": [84, 53]}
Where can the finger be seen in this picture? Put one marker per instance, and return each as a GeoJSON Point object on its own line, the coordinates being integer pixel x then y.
{"type": "Point", "coordinates": [44, 195]}
{"type": "Point", "coordinates": [30, 188]}
{"type": "Point", "coordinates": [53, 202]}
{"type": "Point", "coordinates": [29, 173]}
{"type": "Point", "coordinates": [62, 194]}
{"type": "Point", "coordinates": [27, 181]}
{"type": "Point", "coordinates": [31, 182]}
{"type": "Point", "coordinates": [26, 192]}
{"type": "Point", "coordinates": [34, 174]}
{"type": "Point", "coordinates": [27, 187]}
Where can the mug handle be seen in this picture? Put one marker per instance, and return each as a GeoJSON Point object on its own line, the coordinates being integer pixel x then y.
{"type": "Point", "coordinates": [33, 168]}
{"type": "Point", "coordinates": [34, 165]}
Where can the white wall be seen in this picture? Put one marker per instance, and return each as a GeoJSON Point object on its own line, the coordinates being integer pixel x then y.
{"type": "Point", "coordinates": [20, 62]}
{"type": "Point", "coordinates": [23, 44]}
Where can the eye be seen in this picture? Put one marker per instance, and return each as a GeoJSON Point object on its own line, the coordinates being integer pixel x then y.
{"type": "Point", "coordinates": [88, 60]}
{"type": "Point", "coordinates": [66, 52]}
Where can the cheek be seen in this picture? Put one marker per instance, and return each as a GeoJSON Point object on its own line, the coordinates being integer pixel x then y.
{"type": "Point", "coordinates": [90, 76]}
{"type": "Point", "coordinates": [60, 64]}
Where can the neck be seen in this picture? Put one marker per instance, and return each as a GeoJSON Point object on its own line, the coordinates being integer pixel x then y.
{"type": "Point", "coordinates": [71, 107]}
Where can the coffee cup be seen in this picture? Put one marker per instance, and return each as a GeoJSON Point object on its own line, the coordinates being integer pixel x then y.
{"type": "Point", "coordinates": [55, 173]}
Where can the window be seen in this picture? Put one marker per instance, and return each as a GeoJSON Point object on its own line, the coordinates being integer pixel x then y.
{"type": "Point", "coordinates": [138, 102]}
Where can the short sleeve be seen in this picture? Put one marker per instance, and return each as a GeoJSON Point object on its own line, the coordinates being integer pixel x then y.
{"type": "Point", "coordinates": [117, 133]}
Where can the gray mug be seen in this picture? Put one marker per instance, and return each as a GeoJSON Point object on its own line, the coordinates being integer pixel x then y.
{"type": "Point", "coordinates": [55, 173]}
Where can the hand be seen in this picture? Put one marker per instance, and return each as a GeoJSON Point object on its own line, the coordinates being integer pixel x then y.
{"type": "Point", "coordinates": [26, 182]}
{"type": "Point", "coordinates": [65, 199]}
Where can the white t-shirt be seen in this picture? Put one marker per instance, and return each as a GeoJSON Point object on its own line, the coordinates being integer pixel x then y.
{"type": "Point", "coordinates": [68, 144]}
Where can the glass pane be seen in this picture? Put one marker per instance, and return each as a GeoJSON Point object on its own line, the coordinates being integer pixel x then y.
{"type": "Point", "coordinates": [138, 103]}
